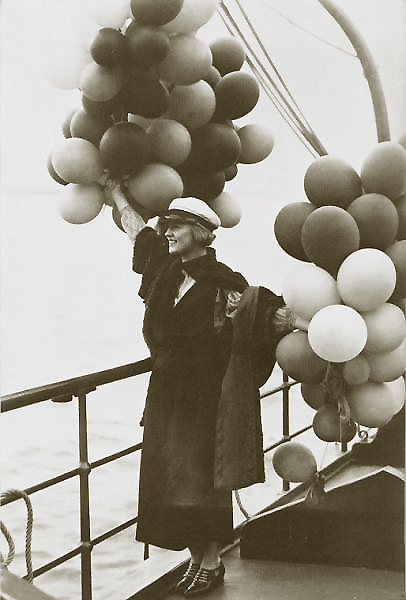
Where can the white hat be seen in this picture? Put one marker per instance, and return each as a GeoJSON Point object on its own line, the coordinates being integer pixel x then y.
{"type": "Point", "coordinates": [193, 210]}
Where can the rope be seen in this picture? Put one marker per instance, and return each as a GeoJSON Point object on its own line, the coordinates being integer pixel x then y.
{"type": "Point", "coordinates": [11, 496]}
{"type": "Point", "coordinates": [240, 505]}
{"type": "Point", "coordinates": [4, 562]}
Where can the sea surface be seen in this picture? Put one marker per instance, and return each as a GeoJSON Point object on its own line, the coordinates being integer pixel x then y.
{"type": "Point", "coordinates": [70, 307]}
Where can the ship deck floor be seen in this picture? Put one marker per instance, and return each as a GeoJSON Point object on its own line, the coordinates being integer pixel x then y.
{"type": "Point", "coordinates": [252, 579]}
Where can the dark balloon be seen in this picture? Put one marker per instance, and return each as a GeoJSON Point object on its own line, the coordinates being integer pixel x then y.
{"type": "Point", "coordinates": [109, 48]}
{"type": "Point", "coordinates": [145, 95]}
{"type": "Point", "coordinates": [102, 108]}
{"type": "Point", "coordinates": [228, 54]}
{"type": "Point", "coordinates": [329, 235]}
{"type": "Point", "coordinates": [215, 147]}
{"type": "Point", "coordinates": [236, 95]}
{"type": "Point", "coordinates": [201, 184]}
{"type": "Point", "coordinates": [124, 148]}
{"type": "Point", "coordinates": [147, 46]}
{"type": "Point", "coordinates": [288, 228]}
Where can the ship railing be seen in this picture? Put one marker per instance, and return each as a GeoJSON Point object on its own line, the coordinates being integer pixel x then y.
{"type": "Point", "coordinates": [80, 387]}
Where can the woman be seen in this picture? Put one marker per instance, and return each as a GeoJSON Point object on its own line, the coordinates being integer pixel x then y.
{"type": "Point", "coordinates": [190, 298]}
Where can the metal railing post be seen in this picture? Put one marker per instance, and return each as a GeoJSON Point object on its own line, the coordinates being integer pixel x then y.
{"type": "Point", "coordinates": [84, 471]}
{"type": "Point", "coordinates": [285, 419]}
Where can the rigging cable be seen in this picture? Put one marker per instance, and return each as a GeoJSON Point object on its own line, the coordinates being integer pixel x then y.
{"type": "Point", "coordinates": [278, 93]}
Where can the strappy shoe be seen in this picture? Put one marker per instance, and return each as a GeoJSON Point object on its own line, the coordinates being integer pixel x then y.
{"type": "Point", "coordinates": [187, 578]}
{"type": "Point", "coordinates": [205, 580]}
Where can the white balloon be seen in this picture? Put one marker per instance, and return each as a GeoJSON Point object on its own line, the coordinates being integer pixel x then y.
{"type": "Point", "coordinates": [398, 391]}
{"type": "Point", "coordinates": [309, 288]}
{"type": "Point", "coordinates": [108, 13]}
{"type": "Point", "coordinates": [337, 333]}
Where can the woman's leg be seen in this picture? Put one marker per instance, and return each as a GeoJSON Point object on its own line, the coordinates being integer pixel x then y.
{"type": "Point", "coordinates": [211, 557]}
{"type": "Point", "coordinates": [196, 556]}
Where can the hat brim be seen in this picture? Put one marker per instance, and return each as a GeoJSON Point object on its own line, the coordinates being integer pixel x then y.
{"type": "Point", "coordinates": [186, 217]}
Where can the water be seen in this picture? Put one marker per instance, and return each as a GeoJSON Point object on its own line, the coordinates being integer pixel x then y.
{"type": "Point", "coordinates": [70, 307]}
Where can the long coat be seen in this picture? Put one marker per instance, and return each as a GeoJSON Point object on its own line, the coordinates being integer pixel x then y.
{"type": "Point", "coordinates": [190, 346]}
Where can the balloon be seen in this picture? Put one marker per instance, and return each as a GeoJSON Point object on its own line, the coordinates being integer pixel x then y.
{"type": "Point", "coordinates": [294, 462]}
{"type": "Point", "coordinates": [108, 13]}
{"type": "Point", "coordinates": [77, 161]}
{"type": "Point", "coordinates": [228, 54]}
{"type": "Point", "coordinates": [170, 142]}
{"type": "Point", "coordinates": [329, 427]}
{"type": "Point", "coordinates": [193, 15]}
{"type": "Point", "coordinates": [397, 253]}
{"type": "Point", "coordinates": [53, 173]}
{"type": "Point", "coordinates": [337, 333]}
{"type": "Point", "coordinates": [288, 228]}
{"type": "Point", "coordinates": [401, 209]}
{"type": "Point", "coordinates": [256, 143]}
{"type": "Point", "coordinates": [231, 172]}
{"type": "Point", "coordinates": [101, 83]}
{"type": "Point", "coordinates": [187, 61]}
{"type": "Point", "coordinates": [236, 95]}
{"type": "Point", "coordinates": [200, 184]}
{"type": "Point", "coordinates": [212, 77]}
{"type": "Point", "coordinates": [124, 148]}
{"type": "Point", "coordinates": [192, 105]}
{"type": "Point", "coordinates": [155, 12]}
{"type": "Point", "coordinates": [314, 394]}
{"type": "Point", "coordinates": [388, 366]}
{"type": "Point", "coordinates": [356, 370]}
{"type": "Point", "coordinates": [88, 127]}
{"type": "Point", "coordinates": [366, 279]}
{"type": "Point", "coordinates": [104, 108]}
{"type": "Point", "coordinates": [296, 357]}
{"type": "Point", "coordinates": [377, 220]}
{"type": "Point", "coordinates": [329, 235]}
{"type": "Point", "coordinates": [331, 181]}
{"type": "Point", "coordinates": [155, 186]}
{"type": "Point", "coordinates": [227, 209]}
{"type": "Point", "coordinates": [147, 46]}
{"type": "Point", "coordinates": [144, 94]}
{"type": "Point", "coordinates": [384, 170]}
{"type": "Point", "coordinates": [371, 404]}
{"type": "Point", "coordinates": [307, 289]}
{"type": "Point", "coordinates": [215, 147]}
{"type": "Point", "coordinates": [109, 48]}
{"type": "Point", "coordinates": [80, 203]}
{"type": "Point", "coordinates": [386, 327]}
{"type": "Point", "coordinates": [66, 123]}
{"type": "Point", "coordinates": [397, 389]}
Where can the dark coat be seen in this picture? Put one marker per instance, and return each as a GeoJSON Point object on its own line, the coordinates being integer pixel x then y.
{"type": "Point", "coordinates": [239, 457]}
{"type": "Point", "coordinates": [190, 347]}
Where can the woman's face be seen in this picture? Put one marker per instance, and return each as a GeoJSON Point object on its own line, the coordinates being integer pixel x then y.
{"type": "Point", "coordinates": [181, 241]}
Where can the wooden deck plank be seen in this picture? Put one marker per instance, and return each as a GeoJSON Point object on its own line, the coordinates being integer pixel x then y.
{"type": "Point", "coordinates": [248, 579]}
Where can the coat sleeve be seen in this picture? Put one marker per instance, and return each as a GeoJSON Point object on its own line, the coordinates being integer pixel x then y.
{"type": "Point", "coordinates": [150, 254]}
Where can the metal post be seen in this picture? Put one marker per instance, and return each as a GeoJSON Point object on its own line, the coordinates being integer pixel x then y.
{"type": "Point", "coordinates": [84, 471]}
{"type": "Point", "coordinates": [285, 418]}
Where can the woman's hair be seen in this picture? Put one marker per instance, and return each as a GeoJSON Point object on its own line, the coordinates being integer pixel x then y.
{"type": "Point", "coordinates": [201, 235]}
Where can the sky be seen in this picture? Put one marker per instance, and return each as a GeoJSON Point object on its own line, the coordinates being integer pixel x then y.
{"type": "Point", "coordinates": [43, 258]}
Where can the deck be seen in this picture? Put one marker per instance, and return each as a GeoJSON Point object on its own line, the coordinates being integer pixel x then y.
{"type": "Point", "coordinates": [263, 579]}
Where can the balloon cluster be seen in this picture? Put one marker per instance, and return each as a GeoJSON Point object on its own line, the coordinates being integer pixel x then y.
{"type": "Point", "coordinates": [157, 111]}
{"type": "Point", "coordinates": [349, 290]}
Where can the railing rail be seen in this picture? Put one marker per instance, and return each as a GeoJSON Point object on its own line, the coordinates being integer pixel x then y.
{"type": "Point", "coordinates": [79, 387]}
